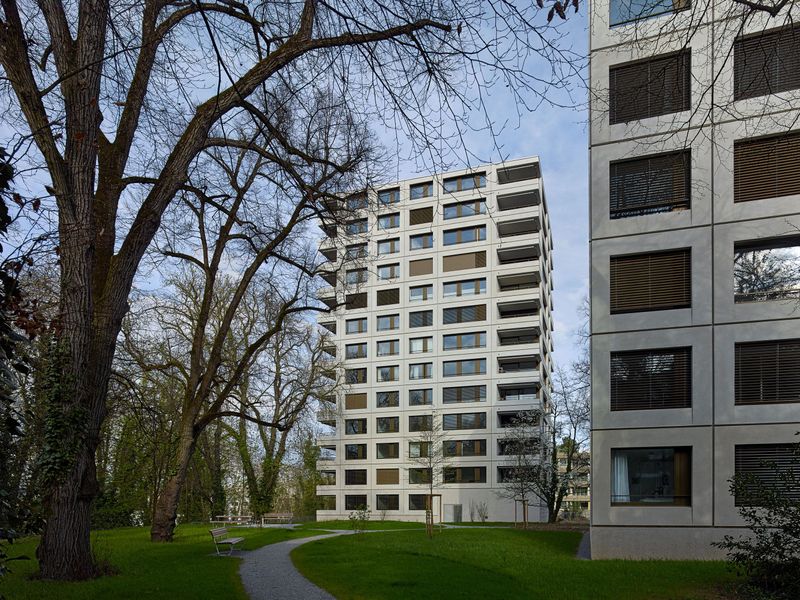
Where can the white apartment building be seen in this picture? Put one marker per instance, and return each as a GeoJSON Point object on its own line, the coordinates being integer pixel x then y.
{"type": "Point", "coordinates": [441, 311]}
{"type": "Point", "coordinates": [695, 278]}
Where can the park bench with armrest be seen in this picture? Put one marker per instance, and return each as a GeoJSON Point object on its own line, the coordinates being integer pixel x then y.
{"type": "Point", "coordinates": [220, 535]}
{"type": "Point", "coordinates": [277, 517]}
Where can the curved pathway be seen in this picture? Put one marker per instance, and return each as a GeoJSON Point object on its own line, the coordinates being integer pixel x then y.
{"type": "Point", "coordinates": [268, 573]}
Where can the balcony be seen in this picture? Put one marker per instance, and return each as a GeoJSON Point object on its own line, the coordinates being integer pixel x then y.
{"type": "Point", "coordinates": [329, 349]}
{"type": "Point", "coordinates": [327, 295]}
{"type": "Point", "coordinates": [519, 254]}
{"type": "Point", "coordinates": [518, 364]}
{"type": "Point", "coordinates": [520, 308]}
{"type": "Point", "coordinates": [327, 453]}
{"type": "Point", "coordinates": [328, 275]}
{"type": "Point", "coordinates": [517, 173]}
{"type": "Point", "coordinates": [516, 337]}
{"type": "Point", "coordinates": [516, 227]}
{"type": "Point", "coordinates": [329, 325]}
{"type": "Point", "coordinates": [525, 392]}
{"type": "Point", "coordinates": [331, 254]}
{"type": "Point", "coordinates": [518, 200]}
{"type": "Point", "coordinates": [529, 280]}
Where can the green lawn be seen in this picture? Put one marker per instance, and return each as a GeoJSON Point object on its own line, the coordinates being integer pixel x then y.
{"type": "Point", "coordinates": [494, 563]}
{"type": "Point", "coordinates": [371, 525]}
{"type": "Point", "coordinates": [181, 570]}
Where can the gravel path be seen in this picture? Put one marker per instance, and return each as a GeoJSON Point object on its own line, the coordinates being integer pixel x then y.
{"type": "Point", "coordinates": [268, 573]}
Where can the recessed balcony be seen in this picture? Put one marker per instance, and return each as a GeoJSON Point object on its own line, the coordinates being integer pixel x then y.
{"type": "Point", "coordinates": [525, 392]}
{"type": "Point", "coordinates": [521, 308]}
{"type": "Point", "coordinates": [329, 325]}
{"type": "Point", "coordinates": [517, 173]}
{"type": "Point", "coordinates": [518, 364]}
{"type": "Point", "coordinates": [331, 254]}
{"type": "Point", "coordinates": [327, 295]}
{"type": "Point", "coordinates": [327, 453]}
{"type": "Point", "coordinates": [516, 337]}
{"type": "Point", "coordinates": [519, 281]}
{"type": "Point", "coordinates": [519, 254]}
{"type": "Point", "coordinates": [518, 200]}
{"type": "Point", "coordinates": [516, 227]}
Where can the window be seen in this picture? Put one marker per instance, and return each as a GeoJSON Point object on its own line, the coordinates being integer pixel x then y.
{"type": "Point", "coordinates": [464, 235]}
{"type": "Point", "coordinates": [766, 270]}
{"type": "Point", "coordinates": [327, 477]}
{"type": "Point", "coordinates": [464, 182]}
{"type": "Point", "coordinates": [355, 276]}
{"type": "Point", "coordinates": [355, 375]}
{"type": "Point", "coordinates": [357, 201]}
{"type": "Point", "coordinates": [766, 167]}
{"type": "Point", "coordinates": [420, 345]}
{"type": "Point", "coordinates": [387, 399]}
{"type": "Point", "coordinates": [355, 251]}
{"type": "Point", "coordinates": [355, 426]}
{"type": "Point", "coordinates": [421, 241]}
{"type": "Point", "coordinates": [518, 394]}
{"type": "Point", "coordinates": [421, 216]}
{"type": "Point", "coordinates": [654, 281]}
{"type": "Point", "coordinates": [465, 448]}
{"type": "Point", "coordinates": [419, 475]}
{"type": "Point", "coordinates": [389, 246]}
{"type": "Point", "coordinates": [355, 477]}
{"type": "Point", "coordinates": [420, 422]}
{"type": "Point", "coordinates": [418, 449]}
{"type": "Point", "coordinates": [467, 287]}
{"type": "Point", "coordinates": [457, 421]}
{"type": "Point", "coordinates": [453, 368]}
{"type": "Point", "coordinates": [387, 425]}
{"type": "Point", "coordinates": [387, 502]}
{"type": "Point", "coordinates": [355, 350]}
{"type": "Point", "coordinates": [765, 467]}
{"type": "Point", "coordinates": [464, 314]}
{"type": "Point", "coordinates": [527, 418]}
{"type": "Point", "coordinates": [418, 501]}
{"type": "Point", "coordinates": [355, 401]}
{"type": "Point", "coordinates": [388, 322]}
{"type": "Point", "coordinates": [517, 447]}
{"type": "Point", "coordinates": [767, 372]}
{"type": "Point", "coordinates": [389, 221]}
{"type": "Point", "coordinates": [355, 301]}
{"type": "Point", "coordinates": [651, 379]}
{"type": "Point", "coordinates": [465, 474]}
{"type": "Point", "coordinates": [625, 11]}
{"type": "Point", "coordinates": [391, 373]}
{"type": "Point", "coordinates": [387, 476]}
{"type": "Point", "coordinates": [651, 476]}
{"type": "Point", "coordinates": [420, 318]}
{"type": "Point", "coordinates": [422, 397]}
{"type": "Point", "coordinates": [420, 293]}
{"type": "Point", "coordinates": [469, 260]}
{"type": "Point", "coordinates": [387, 297]}
{"type": "Point", "coordinates": [420, 371]}
{"type": "Point", "coordinates": [421, 190]}
{"type": "Point", "coordinates": [417, 268]}
{"type": "Point", "coordinates": [648, 88]}
{"type": "Point", "coordinates": [388, 348]}
{"type": "Point", "coordinates": [391, 271]}
{"type": "Point", "coordinates": [650, 184]}
{"type": "Point", "coordinates": [766, 63]}
{"type": "Point", "coordinates": [355, 451]}
{"type": "Point", "coordinates": [469, 208]}
{"type": "Point", "coordinates": [464, 341]}
{"type": "Point", "coordinates": [356, 227]}
{"type": "Point", "coordinates": [326, 502]}
{"type": "Point", "coordinates": [387, 197]}
{"type": "Point", "coordinates": [355, 501]}
{"type": "Point", "coordinates": [468, 393]}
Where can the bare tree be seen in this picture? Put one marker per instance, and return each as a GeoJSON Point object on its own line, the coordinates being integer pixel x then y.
{"type": "Point", "coordinates": [522, 442]}
{"type": "Point", "coordinates": [427, 451]}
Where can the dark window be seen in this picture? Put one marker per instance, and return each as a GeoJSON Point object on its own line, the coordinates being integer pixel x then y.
{"type": "Point", "coordinates": [651, 379]}
{"type": "Point", "coordinates": [419, 216]}
{"type": "Point", "coordinates": [356, 276]}
{"type": "Point", "coordinates": [417, 501]}
{"type": "Point", "coordinates": [389, 196]}
{"type": "Point", "coordinates": [464, 314]}
{"type": "Point", "coordinates": [469, 393]}
{"type": "Point", "coordinates": [355, 501]}
{"type": "Point", "coordinates": [420, 422]}
{"type": "Point", "coordinates": [464, 421]}
{"type": "Point", "coordinates": [465, 448]}
{"type": "Point", "coordinates": [356, 227]}
{"type": "Point", "coordinates": [386, 297]}
{"type": "Point", "coordinates": [648, 88]}
{"type": "Point", "coordinates": [766, 468]}
{"type": "Point", "coordinates": [517, 447]}
{"type": "Point", "coordinates": [419, 475]}
{"type": "Point", "coordinates": [625, 11]}
{"type": "Point", "coordinates": [357, 201]}
{"type": "Point", "coordinates": [419, 449]}
{"type": "Point", "coordinates": [521, 418]}
{"type": "Point", "coordinates": [422, 318]}
{"type": "Point", "coordinates": [422, 397]}
{"type": "Point", "coordinates": [355, 426]}
{"type": "Point", "coordinates": [387, 502]}
{"type": "Point", "coordinates": [355, 477]}
{"type": "Point", "coordinates": [653, 281]}
{"type": "Point", "coordinates": [390, 450]}
{"type": "Point", "coordinates": [355, 451]}
{"type": "Point", "coordinates": [651, 476]}
{"type": "Point", "coordinates": [767, 372]}
{"type": "Point", "coordinates": [387, 424]}
{"type": "Point", "coordinates": [522, 473]}
{"type": "Point", "coordinates": [355, 375]}
{"type": "Point", "coordinates": [766, 270]}
{"type": "Point", "coordinates": [387, 399]}
{"type": "Point", "coordinates": [650, 184]}
{"type": "Point", "coordinates": [766, 167]}
{"type": "Point", "coordinates": [465, 474]}
{"type": "Point", "coordinates": [326, 502]}
{"type": "Point", "coordinates": [766, 63]}
{"type": "Point", "coordinates": [353, 301]}
{"type": "Point", "coordinates": [355, 350]}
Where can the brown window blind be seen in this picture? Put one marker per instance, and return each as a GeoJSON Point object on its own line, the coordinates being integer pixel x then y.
{"type": "Point", "coordinates": [464, 314]}
{"type": "Point", "coordinates": [766, 167]}
{"type": "Point", "coordinates": [650, 184]}
{"type": "Point", "coordinates": [767, 372]}
{"type": "Point", "coordinates": [356, 301]}
{"type": "Point", "coordinates": [355, 401]}
{"type": "Point", "coordinates": [651, 379]}
{"type": "Point", "coordinates": [648, 88]}
{"type": "Point", "coordinates": [769, 465]}
{"type": "Point", "coordinates": [420, 267]}
{"type": "Point", "coordinates": [418, 216]}
{"type": "Point", "coordinates": [766, 63]}
{"type": "Point", "coordinates": [355, 477]}
{"type": "Point", "coordinates": [468, 260]}
{"type": "Point", "coordinates": [387, 476]}
{"type": "Point", "coordinates": [653, 281]}
{"type": "Point", "coordinates": [391, 296]}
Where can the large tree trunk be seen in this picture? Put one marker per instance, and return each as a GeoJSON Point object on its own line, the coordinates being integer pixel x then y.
{"type": "Point", "coordinates": [166, 513]}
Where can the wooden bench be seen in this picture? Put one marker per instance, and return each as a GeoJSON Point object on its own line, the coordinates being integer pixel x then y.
{"type": "Point", "coordinates": [220, 535]}
{"type": "Point", "coordinates": [232, 520]}
{"type": "Point", "coordinates": [276, 517]}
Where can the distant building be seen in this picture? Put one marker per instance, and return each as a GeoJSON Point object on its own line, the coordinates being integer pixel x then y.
{"type": "Point", "coordinates": [577, 502]}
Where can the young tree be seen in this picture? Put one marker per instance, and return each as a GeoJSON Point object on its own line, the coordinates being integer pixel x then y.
{"type": "Point", "coordinates": [427, 451]}
{"type": "Point", "coordinates": [522, 442]}
{"type": "Point", "coordinates": [116, 102]}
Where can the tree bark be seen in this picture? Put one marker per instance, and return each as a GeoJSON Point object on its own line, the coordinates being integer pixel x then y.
{"type": "Point", "coordinates": [166, 513]}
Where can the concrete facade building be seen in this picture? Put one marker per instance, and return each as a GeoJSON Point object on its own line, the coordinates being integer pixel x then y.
{"type": "Point", "coordinates": [441, 311]}
{"type": "Point", "coordinates": [695, 214]}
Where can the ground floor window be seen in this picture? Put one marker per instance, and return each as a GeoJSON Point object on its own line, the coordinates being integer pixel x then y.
{"type": "Point", "coordinates": [647, 476]}
{"type": "Point", "coordinates": [387, 502]}
{"type": "Point", "coordinates": [355, 501]}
